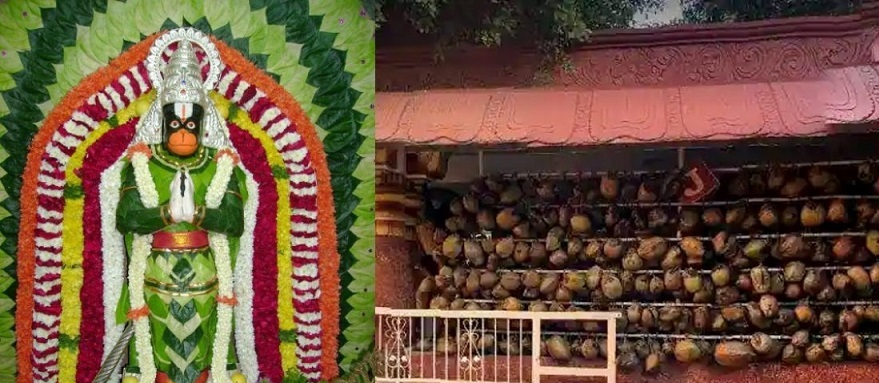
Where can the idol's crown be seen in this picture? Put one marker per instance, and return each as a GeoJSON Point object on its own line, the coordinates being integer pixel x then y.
{"type": "Point", "coordinates": [182, 77]}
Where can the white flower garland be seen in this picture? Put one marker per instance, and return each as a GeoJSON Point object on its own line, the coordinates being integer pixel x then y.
{"type": "Point", "coordinates": [245, 341]}
{"type": "Point", "coordinates": [144, 180]}
{"type": "Point", "coordinates": [141, 248]}
{"type": "Point", "coordinates": [220, 245]}
{"type": "Point", "coordinates": [113, 250]}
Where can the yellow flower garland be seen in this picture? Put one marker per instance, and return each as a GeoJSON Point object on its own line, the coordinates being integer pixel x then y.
{"type": "Point", "coordinates": [285, 262]}
{"type": "Point", "coordinates": [72, 243]}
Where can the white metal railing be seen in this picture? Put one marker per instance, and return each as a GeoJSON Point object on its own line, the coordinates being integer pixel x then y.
{"type": "Point", "coordinates": [439, 346]}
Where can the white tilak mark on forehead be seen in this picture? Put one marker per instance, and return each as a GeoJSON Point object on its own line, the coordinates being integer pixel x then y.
{"type": "Point", "coordinates": [183, 110]}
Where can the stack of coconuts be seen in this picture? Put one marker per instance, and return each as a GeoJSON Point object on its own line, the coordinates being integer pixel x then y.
{"type": "Point", "coordinates": [753, 267]}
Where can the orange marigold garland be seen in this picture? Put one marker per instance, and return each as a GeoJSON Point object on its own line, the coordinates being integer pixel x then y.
{"type": "Point", "coordinates": [28, 223]}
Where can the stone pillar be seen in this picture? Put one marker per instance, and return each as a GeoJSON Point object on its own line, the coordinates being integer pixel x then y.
{"type": "Point", "coordinates": [393, 264]}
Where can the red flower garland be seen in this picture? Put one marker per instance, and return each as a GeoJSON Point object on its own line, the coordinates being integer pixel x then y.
{"type": "Point", "coordinates": [100, 156]}
{"type": "Point", "coordinates": [265, 266]}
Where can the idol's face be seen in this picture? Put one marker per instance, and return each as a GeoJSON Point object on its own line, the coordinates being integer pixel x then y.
{"type": "Point", "coordinates": [182, 127]}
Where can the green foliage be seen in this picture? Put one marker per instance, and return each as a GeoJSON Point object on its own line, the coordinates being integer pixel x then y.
{"type": "Point", "coordinates": [553, 25]}
{"type": "Point", "coordinates": [708, 11]}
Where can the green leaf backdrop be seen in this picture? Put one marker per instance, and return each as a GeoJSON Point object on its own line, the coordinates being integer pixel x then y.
{"type": "Point", "coordinates": [321, 51]}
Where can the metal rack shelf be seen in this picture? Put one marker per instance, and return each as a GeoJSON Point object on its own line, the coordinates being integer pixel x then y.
{"type": "Point", "coordinates": [680, 304]}
{"type": "Point", "coordinates": [743, 201]}
{"type": "Point", "coordinates": [588, 239]}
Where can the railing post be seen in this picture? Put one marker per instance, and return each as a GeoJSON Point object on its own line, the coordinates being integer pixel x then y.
{"type": "Point", "coordinates": [612, 350]}
{"type": "Point", "coordinates": [535, 350]}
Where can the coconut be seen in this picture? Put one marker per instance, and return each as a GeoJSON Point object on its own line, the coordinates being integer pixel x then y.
{"type": "Point", "coordinates": [739, 185]}
{"type": "Point", "coordinates": [800, 338]}
{"type": "Point", "coordinates": [633, 313]}
{"type": "Point", "coordinates": [815, 354]}
{"type": "Point", "coordinates": [791, 355]}
{"type": "Point", "coordinates": [692, 281]}
{"type": "Point", "coordinates": [841, 282]}
{"type": "Point", "coordinates": [871, 353]}
{"type": "Point", "coordinates": [848, 320]}
{"type": "Point", "coordinates": [761, 343]}
{"type": "Point", "coordinates": [531, 279]}
{"type": "Point", "coordinates": [485, 219]}
{"type": "Point", "coordinates": [793, 291]}
{"type": "Point", "coordinates": [520, 252]}
{"type": "Point", "coordinates": [732, 314]}
{"type": "Point", "coordinates": [471, 285]}
{"type": "Point", "coordinates": [575, 281]}
{"type": "Point", "coordinates": [473, 252]}
{"type": "Point", "coordinates": [673, 258]}
{"type": "Point", "coordinates": [642, 285]}
{"type": "Point", "coordinates": [609, 187]}
{"type": "Point", "coordinates": [522, 230]}
{"type": "Point", "coordinates": [452, 246]}
{"type": "Point", "coordinates": [706, 293]}
{"type": "Point", "coordinates": [632, 261]}
{"type": "Point", "coordinates": [761, 279]}
{"type": "Point", "coordinates": [735, 216]}
{"type": "Point", "coordinates": [726, 295]}
{"type": "Point", "coordinates": [827, 320]}
{"type": "Point", "coordinates": [613, 249]}
{"type": "Point", "coordinates": [718, 324]}
{"type": "Point", "coordinates": [837, 212]}
{"type": "Point", "coordinates": [693, 249]}
{"type": "Point", "coordinates": [843, 248]}
{"type": "Point", "coordinates": [721, 275]}
{"type": "Point", "coordinates": [558, 258]}
{"type": "Point", "coordinates": [859, 277]}
{"type": "Point", "coordinates": [768, 306]}
{"type": "Point", "coordinates": [554, 238]}
{"type": "Point", "coordinates": [814, 282]}
{"type": "Point", "coordinates": [611, 286]}
{"type": "Point", "coordinates": [686, 351]}
{"type": "Point", "coordinates": [537, 253]}
{"type": "Point", "coordinates": [712, 217]}
{"type": "Point", "coordinates": [511, 281]}
{"type": "Point", "coordinates": [689, 221]}
{"type": "Point", "coordinates": [776, 284]}
{"type": "Point", "coordinates": [505, 247]}
{"type": "Point", "coordinates": [657, 286]}
{"type": "Point", "coordinates": [673, 280]}
{"type": "Point", "coordinates": [744, 283]}
{"type": "Point", "coordinates": [812, 214]}
{"type": "Point", "coordinates": [507, 219]}
{"type": "Point", "coordinates": [768, 216]}
{"type": "Point", "coordinates": [854, 346]}
{"type": "Point", "coordinates": [652, 249]}
{"type": "Point", "coordinates": [558, 348]}
{"type": "Point", "coordinates": [794, 272]}
{"type": "Point", "coordinates": [580, 224]}
{"type": "Point", "coordinates": [593, 250]}
{"type": "Point", "coordinates": [593, 277]}
{"type": "Point", "coordinates": [830, 343]}
{"type": "Point", "coordinates": [549, 284]}
{"type": "Point", "coordinates": [562, 294]}
{"type": "Point", "coordinates": [790, 216]}
{"type": "Point", "coordinates": [734, 354]}
{"type": "Point", "coordinates": [756, 317]}
{"type": "Point", "coordinates": [589, 349]}
{"type": "Point", "coordinates": [793, 188]}
{"type": "Point", "coordinates": [649, 318]}
{"type": "Point", "coordinates": [652, 363]}
{"type": "Point", "coordinates": [511, 194]}
{"type": "Point", "coordinates": [791, 246]}
{"type": "Point", "coordinates": [755, 249]}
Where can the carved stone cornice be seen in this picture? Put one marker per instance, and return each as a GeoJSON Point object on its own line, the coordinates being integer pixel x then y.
{"type": "Point", "coordinates": [792, 49]}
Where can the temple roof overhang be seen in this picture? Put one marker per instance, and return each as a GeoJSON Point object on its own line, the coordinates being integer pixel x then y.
{"type": "Point", "coordinates": [796, 77]}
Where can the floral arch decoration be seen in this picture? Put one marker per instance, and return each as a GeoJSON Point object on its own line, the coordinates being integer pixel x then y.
{"type": "Point", "coordinates": [70, 263]}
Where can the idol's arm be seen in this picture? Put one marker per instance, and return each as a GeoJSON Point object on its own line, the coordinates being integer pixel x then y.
{"type": "Point", "coordinates": [131, 215]}
{"type": "Point", "coordinates": [228, 218]}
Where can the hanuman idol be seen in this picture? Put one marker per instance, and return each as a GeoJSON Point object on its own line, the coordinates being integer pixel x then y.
{"type": "Point", "coordinates": [181, 211]}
